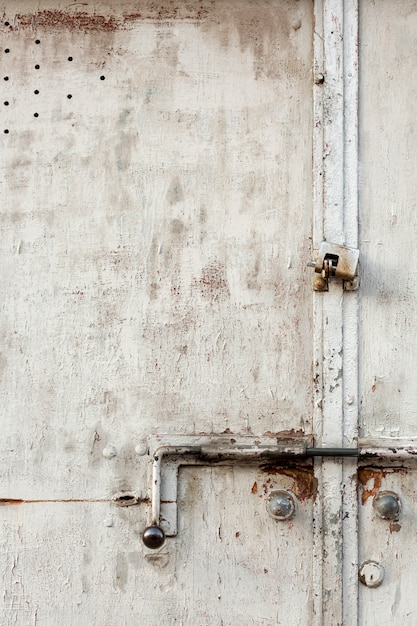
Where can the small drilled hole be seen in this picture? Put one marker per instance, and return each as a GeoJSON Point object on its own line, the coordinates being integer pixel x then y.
{"type": "Point", "coordinates": [102, 78]}
{"type": "Point", "coordinates": [7, 23]}
{"type": "Point", "coordinates": [6, 104]}
{"type": "Point", "coordinates": [69, 58]}
{"type": "Point", "coordinates": [37, 67]}
{"type": "Point", "coordinates": [36, 91]}
{"type": "Point", "coordinates": [36, 115]}
{"type": "Point", "coordinates": [7, 50]}
{"type": "Point", "coordinates": [38, 41]}
{"type": "Point", "coordinates": [6, 78]}
{"type": "Point", "coordinates": [6, 131]}
{"type": "Point", "coordinates": [69, 96]}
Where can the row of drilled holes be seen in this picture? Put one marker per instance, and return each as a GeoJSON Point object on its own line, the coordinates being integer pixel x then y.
{"type": "Point", "coordinates": [36, 92]}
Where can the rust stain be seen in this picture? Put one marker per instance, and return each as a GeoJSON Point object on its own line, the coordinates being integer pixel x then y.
{"type": "Point", "coordinates": [395, 527]}
{"type": "Point", "coordinates": [66, 20]}
{"type": "Point", "coordinates": [285, 433]}
{"type": "Point", "coordinates": [58, 19]}
{"type": "Point", "coordinates": [373, 475]}
{"type": "Point", "coordinates": [9, 501]}
{"type": "Point", "coordinates": [255, 487]}
{"type": "Point", "coordinates": [373, 387]}
{"type": "Point", "coordinates": [305, 483]}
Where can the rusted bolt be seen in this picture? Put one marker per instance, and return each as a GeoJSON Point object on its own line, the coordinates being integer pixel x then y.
{"type": "Point", "coordinates": [371, 574]}
{"type": "Point", "coordinates": [153, 537]}
{"type": "Point", "coordinates": [280, 504]}
{"type": "Point", "coordinates": [387, 505]}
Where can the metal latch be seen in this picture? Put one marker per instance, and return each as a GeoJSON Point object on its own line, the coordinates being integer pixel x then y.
{"type": "Point", "coordinates": [336, 261]}
{"type": "Point", "coordinates": [167, 453]}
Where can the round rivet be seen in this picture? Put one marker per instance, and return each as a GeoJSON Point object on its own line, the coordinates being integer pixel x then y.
{"type": "Point", "coordinates": [109, 452]}
{"type": "Point", "coordinates": [153, 537]}
{"type": "Point", "coordinates": [371, 574]}
{"type": "Point", "coordinates": [280, 504]}
{"type": "Point", "coordinates": [387, 505]}
{"type": "Point", "coordinates": [142, 448]}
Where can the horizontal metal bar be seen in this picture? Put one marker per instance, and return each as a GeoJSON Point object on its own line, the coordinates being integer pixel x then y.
{"type": "Point", "coordinates": [335, 452]}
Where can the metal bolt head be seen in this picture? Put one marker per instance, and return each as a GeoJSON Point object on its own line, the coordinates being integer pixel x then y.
{"type": "Point", "coordinates": [387, 505]}
{"type": "Point", "coordinates": [371, 574]}
{"type": "Point", "coordinates": [280, 504]}
{"type": "Point", "coordinates": [153, 537]}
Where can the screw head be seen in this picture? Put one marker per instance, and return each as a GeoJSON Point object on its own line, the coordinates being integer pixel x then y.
{"type": "Point", "coordinates": [280, 504]}
{"type": "Point", "coordinates": [153, 537]}
{"type": "Point", "coordinates": [387, 505]}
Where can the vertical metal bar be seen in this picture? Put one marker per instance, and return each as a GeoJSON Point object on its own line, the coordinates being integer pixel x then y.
{"type": "Point", "coordinates": [318, 235]}
{"type": "Point", "coordinates": [332, 312]}
{"type": "Point", "coordinates": [350, 314]}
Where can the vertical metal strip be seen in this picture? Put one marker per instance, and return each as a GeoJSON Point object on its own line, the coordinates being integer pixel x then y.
{"type": "Point", "coordinates": [318, 78]}
{"type": "Point", "coordinates": [350, 314]}
{"type": "Point", "coordinates": [332, 472]}
{"type": "Point", "coordinates": [328, 315]}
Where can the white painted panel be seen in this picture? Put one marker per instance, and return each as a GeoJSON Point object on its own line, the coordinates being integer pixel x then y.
{"type": "Point", "coordinates": [390, 544]}
{"type": "Point", "coordinates": [84, 563]}
{"type": "Point", "coordinates": [388, 296]}
{"type": "Point", "coordinates": [388, 222]}
{"type": "Point", "coordinates": [155, 228]}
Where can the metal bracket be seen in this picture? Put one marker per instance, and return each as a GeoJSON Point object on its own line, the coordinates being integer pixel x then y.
{"type": "Point", "coordinates": [336, 261]}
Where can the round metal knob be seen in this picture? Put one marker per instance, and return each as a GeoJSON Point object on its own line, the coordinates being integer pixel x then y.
{"type": "Point", "coordinates": [387, 505]}
{"type": "Point", "coordinates": [280, 504]}
{"type": "Point", "coordinates": [371, 574]}
{"type": "Point", "coordinates": [153, 537]}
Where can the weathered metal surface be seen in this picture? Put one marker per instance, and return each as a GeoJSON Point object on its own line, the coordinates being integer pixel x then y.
{"type": "Point", "coordinates": [389, 543]}
{"type": "Point", "coordinates": [246, 544]}
{"type": "Point", "coordinates": [388, 345]}
{"type": "Point", "coordinates": [156, 201]}
{"type": "Point", "coordinates": [150, 242]}
{"type": "Point", "coordinates": [156, 214]}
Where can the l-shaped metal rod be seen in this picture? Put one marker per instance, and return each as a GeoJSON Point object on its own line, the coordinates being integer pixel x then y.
{"type": "Point", "coordinates": [212, 453]}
